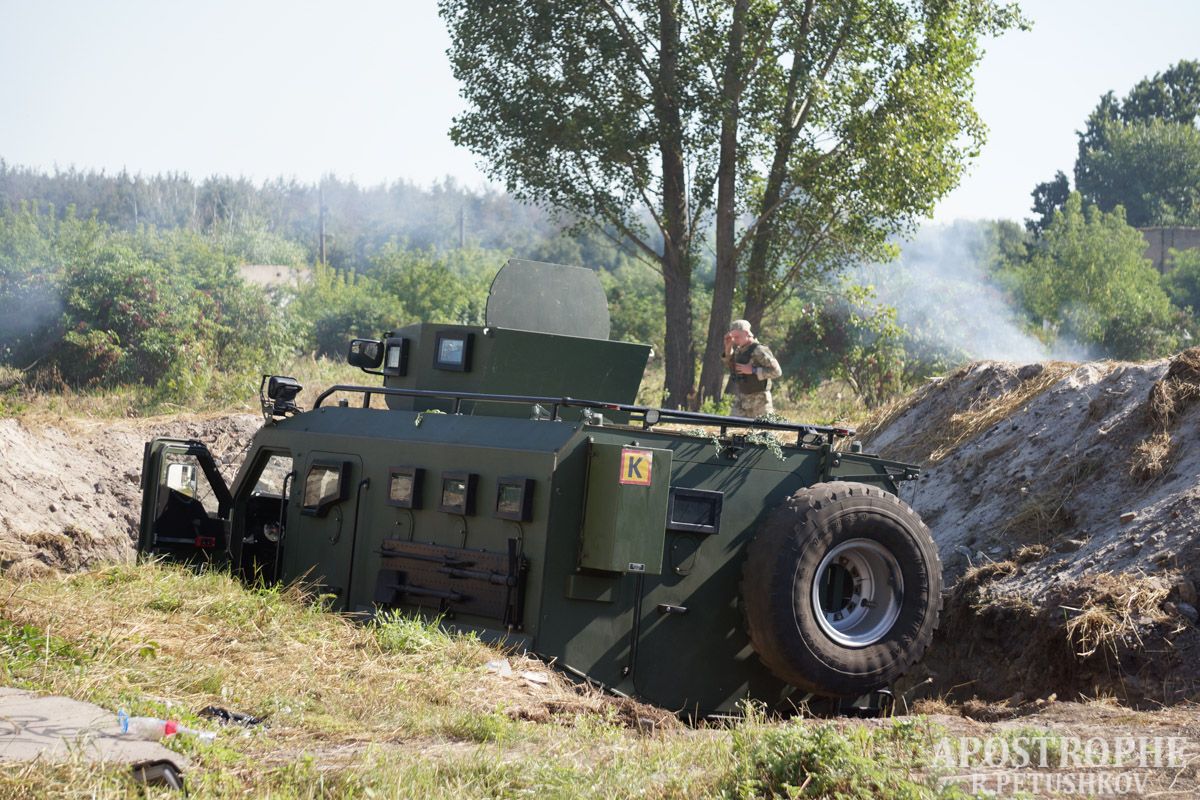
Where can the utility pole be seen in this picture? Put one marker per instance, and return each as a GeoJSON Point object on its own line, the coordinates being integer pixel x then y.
{"type": "Point", "coordinates": [321, 215]}
{"type": "Point", "coordinates": [462, 227]}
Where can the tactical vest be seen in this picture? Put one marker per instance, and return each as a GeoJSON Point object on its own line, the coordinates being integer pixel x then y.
{"type": "Point", "coordinates": [749, 384]}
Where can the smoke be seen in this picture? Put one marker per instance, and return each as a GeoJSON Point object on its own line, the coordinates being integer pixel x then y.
{"type": "Point", "coordinates": [28, 307]}
{"type": "Point", "coordinates": [941, 291]}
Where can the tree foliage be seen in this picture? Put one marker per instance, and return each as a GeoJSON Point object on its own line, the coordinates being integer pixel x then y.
{"type": "Point", "coordinates": [1088, 280]}
{"type": "Point", "coordinates": [1151, 168]}
{"type": "Point", "coordinates": [826, 125]}
{"type": "Point", "coordinates": [1182, 283]}
{"type": "Point", "coordinates": [1141, 152]}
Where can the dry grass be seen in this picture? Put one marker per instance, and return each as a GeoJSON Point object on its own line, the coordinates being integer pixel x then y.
{"type": "Point", "coordinates": [984, 573]}
{"type": "Point", "coordinates": [394, 709]}
{"type": "Point", "coordinates": [400, 708]}
{"type": "Point", "coordinates": [225, 393]}
{"type": "Point", "coordinates": [402, 677]}
{"type": "Point", "coordinates": [1113, 607]}
{"type": "Point", "coordinates": [966, 425]}
{"type": "Point", "coordinates": [880, 418]}
{"type": "Point", "coordinates": [1029, 553]}
{"type": "Point", "coordinates": [1042, 516]}
{"type": "Point", "coordinates": [1151, 456]}
{"type": "Point", "coordinates": [1171, 394]}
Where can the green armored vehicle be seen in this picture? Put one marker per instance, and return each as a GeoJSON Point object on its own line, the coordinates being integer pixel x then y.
{"type": "Point", "coordinates": [503, 479]}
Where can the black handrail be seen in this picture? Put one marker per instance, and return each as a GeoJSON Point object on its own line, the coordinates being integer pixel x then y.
{"type": "Point", "coordinates": [664, 414]}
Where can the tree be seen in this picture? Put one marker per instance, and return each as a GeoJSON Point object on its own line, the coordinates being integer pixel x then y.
{"type": "Point", "coordinates": [1047, 198]}
{"type": "Point", "coordinates": [1152, 168]}
{"type": "Point", "coordinates": [823, 126]}
{"type": "Point", "coordinates": [1141, 152]}
{"type": "Point", "coordinates": [1183, 281]}
{"type": "Point", "coordinates": [1088, 281]}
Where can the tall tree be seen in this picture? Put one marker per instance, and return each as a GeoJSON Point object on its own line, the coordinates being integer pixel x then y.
{"type": "Point", "coordinates": [1048, 197]}
{"type": "Point", "coordinates": [1141, 151]}
{"type": "Point", "coordinates": [1151, 168]}
{"type": "Point", "coordinates": [822, 126]}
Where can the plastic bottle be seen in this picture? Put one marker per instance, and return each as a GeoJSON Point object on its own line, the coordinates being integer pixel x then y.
{"type": "Point", "coordinates": [152, 729]}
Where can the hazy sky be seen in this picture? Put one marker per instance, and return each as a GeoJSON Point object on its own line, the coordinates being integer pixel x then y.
{"type": "Point", "coordinates": [363, 89]}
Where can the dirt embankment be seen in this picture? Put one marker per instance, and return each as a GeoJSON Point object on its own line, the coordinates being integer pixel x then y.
{"type": "Point", "coordinates": [1064, 501]}
{"type": "Point", "coordinates": [70, 493]}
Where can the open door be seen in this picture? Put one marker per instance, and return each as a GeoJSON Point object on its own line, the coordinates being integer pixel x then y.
{"type": "Point", "coordinates": [185, 502]}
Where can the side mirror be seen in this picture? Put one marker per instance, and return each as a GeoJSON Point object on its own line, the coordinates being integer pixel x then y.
{"type": "Point", "coordinates": [365, 353]}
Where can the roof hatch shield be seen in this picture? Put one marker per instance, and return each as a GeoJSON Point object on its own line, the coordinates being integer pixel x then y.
{"type": "Point", "coordinates": [548, 298]}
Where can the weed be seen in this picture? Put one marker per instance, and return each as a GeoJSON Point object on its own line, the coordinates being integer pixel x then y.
{"type": "Point", "coordinates": [25, 648]}
{"type": "Point", "coordinates": [802, 759]}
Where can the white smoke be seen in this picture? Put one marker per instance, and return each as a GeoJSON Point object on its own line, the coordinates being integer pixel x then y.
{"type": "Point", "coordinates": [942, 292]}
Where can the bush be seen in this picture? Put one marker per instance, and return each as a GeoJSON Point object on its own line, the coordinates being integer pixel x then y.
{"type": "Point", "coordinates": [1088, 281]}
{"type": "Point", "coordinates": [338, 306]}
{"type": "Point", "coordinates": [1182, 283]}
{"type": "Point", "coordinates": [635, 304]}
{"type": "Point", "coordinates": [807, 759]}
{"type": "Point", "coordinates": [450, 287]}
{"type": "Point", "coordinates": [849, 336]}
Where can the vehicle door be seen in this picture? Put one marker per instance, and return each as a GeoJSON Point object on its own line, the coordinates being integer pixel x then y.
{"type": "Point", "coordinates": [185, 502]}
{"type": "Point", "coordinates": [318, 544]}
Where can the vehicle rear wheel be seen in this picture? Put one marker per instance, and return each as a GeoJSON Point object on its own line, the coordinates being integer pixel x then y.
{"type": "Point", "coordinates": [842, 589]}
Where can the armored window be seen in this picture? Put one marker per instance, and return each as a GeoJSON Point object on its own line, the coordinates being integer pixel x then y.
{"type": "Point", "coordinates": [324, 487]}
{"type": "Point", "coordinates": [183, 475]}
{"type": "Point", "coordinates": [458, 493]}
{"type": "Point", "coordinates": [395, 361]}
{"type": "Point", "coordinates": [453, 351]}
{"type": "Point", "coordinates": [273, 478]}
{"type": "Point", "coordinates": [514, 499]}
{"type": "Point", "coordinates": [404, 486]}
{"type": "Point", "coordinates": [694, 510]}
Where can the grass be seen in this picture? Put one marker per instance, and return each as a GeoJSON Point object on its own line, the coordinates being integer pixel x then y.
{"type": "Point", "coordinates": [1112, 607]}
{"type": "Point", "coordinates": [1151, 456]}
{"type": "Point", "coordinates": [396, 709]}
{"type": "Point", "coordinates": [221, 392]}
{"type": "Point", "coordinates": [966, 425]}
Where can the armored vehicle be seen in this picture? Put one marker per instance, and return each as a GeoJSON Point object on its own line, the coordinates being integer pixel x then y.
{"type": "Point", "coordinates": [503, 479]}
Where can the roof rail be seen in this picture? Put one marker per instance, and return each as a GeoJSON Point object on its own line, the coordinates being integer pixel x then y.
{"type": "Point", "coordinates": [648, 415]}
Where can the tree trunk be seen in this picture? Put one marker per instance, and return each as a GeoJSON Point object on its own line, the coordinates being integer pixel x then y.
{"type": "Point", "coordinates": [712, 373]}
{"type": "Point", "coordinates": [680, 352]}
{"type": "Point", "coordinates": [759, 266]}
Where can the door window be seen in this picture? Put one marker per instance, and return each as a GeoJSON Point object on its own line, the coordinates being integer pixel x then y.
{"type": "Point", "coordinates": [324, 486]}
{"type": "Point", "coordinates": [273, 476]}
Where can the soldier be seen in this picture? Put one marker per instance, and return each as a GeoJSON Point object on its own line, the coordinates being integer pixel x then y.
{"type": "Point", "coordinates": [753, 368]}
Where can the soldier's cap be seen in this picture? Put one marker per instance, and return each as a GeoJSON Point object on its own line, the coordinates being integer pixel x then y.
{"type": "Point", "coordinates": [740, 325]}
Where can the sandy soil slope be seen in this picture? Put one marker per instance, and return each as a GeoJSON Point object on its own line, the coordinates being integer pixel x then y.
{"type": "Point", "coordinates": [1064, 498]}
{"type": "Point", "coordinates": [70, 493]}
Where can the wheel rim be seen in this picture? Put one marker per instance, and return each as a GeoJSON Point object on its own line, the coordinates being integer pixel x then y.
{"type": "Point", "coordinates": [857, 592]}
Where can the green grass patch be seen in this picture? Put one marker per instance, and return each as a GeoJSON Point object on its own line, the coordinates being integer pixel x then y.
{"type": "Point", "coordinates": [807, 759]}
{"type": "Point", "coordinates": [396, 708]}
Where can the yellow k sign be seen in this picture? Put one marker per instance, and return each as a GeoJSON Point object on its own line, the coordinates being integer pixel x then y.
{"type": "Point", "coordinates": [636, 466]}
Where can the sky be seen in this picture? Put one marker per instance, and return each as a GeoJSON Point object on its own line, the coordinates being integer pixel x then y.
{"type": "Point", "coordinates": [299, 89]}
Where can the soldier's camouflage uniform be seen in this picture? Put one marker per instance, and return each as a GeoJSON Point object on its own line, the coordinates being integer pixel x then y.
{"type": "Point", "coordinates": [752, 392]}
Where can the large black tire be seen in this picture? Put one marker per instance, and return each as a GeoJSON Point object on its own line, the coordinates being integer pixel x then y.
{"type": "Point", "coordinates": [818, 637]}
